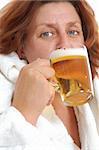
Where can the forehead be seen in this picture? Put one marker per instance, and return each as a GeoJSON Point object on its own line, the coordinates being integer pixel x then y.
{"type": "Point", "coordinates": [55, 11]}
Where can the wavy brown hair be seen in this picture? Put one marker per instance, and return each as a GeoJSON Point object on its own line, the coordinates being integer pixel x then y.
{"type": "Point", "coordinates": [17, 15]}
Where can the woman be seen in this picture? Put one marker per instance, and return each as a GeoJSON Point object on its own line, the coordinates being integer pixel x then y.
{"type": "Point", "coordinates": [33, 30]}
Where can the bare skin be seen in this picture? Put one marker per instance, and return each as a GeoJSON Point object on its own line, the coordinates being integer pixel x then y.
{"type": "Point", "coordinates": [49, 30]}
{"type": "Point", "coordinates": [67, 115]}
{"type": "Point", "coordinates": [32, 100]}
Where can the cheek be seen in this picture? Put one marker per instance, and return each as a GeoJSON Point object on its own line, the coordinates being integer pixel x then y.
{"type": "Point", "coordinates": [81, 39]}
{"type": "Point", "coordinates": [37, 50]}
{"type": "Point", "coordinates": [78, 42]}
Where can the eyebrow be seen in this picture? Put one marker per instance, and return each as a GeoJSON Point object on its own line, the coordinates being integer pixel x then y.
{"type": "Point", "coordinates": [74, 23]}
{"type": "Point", "coordinates": [69, 24]}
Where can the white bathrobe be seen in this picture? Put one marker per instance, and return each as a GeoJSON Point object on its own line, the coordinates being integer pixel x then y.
{"type": "Point", "coordinates": [49, 134]}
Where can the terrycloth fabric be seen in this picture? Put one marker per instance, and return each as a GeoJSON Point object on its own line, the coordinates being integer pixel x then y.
{"type": "Point", "coordinates": [15, 132]}
{"type": "Point", "coordinates": [10, 66]}
{"type": "Point", "coordinates": [88, 121]}
{"type": "Point", "coordinates": [11, 121]}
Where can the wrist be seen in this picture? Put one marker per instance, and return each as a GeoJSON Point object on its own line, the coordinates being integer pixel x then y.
{"type": "Point", "coordinates": [30, 115]}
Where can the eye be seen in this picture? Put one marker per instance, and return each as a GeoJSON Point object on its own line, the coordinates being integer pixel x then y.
{"type": "Point", "coordinates": [46, 34]}
{"type": "Point", "coordinates": [73, 33]}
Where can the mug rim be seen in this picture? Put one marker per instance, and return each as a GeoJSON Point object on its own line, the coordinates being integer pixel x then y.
{"type": "Point", "coordinates": [68, 52]}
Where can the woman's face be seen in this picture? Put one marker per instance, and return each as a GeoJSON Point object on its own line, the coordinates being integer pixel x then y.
{"type": "Point", "coordinates": [54, 25]}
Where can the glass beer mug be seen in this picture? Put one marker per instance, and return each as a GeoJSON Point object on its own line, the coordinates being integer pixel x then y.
{"type": "Point", "coordinates": [73, 75]}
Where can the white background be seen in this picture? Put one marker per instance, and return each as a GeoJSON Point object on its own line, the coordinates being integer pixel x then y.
{"type": "Point", "coordinates": [94, 4]}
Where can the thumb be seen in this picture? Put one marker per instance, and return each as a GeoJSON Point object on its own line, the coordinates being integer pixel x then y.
{"type": "Point", "coordinates": [52, 93]}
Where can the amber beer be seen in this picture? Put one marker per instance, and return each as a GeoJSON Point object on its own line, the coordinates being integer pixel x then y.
{"type": "Point", "coordinates": [72, 71]}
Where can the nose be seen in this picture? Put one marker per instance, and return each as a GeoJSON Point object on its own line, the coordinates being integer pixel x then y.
{"type": "Point", "coordinates": [63, 42]}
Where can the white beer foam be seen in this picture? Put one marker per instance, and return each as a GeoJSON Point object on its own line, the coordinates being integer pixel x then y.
{"type": "Point", "coordinates": [68, 52]}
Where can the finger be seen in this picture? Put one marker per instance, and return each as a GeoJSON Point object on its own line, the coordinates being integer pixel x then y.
{"type": "Point", "coordinates": [40, 62]}
{"type": "Point", "coordinates": [43, 61]}
{"type": "Point", "coordinates": [52, 94]}
{"type": "Point", "coordinates": [42, 66]}
{"type": "Point", "coordinates": [47, 72]}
